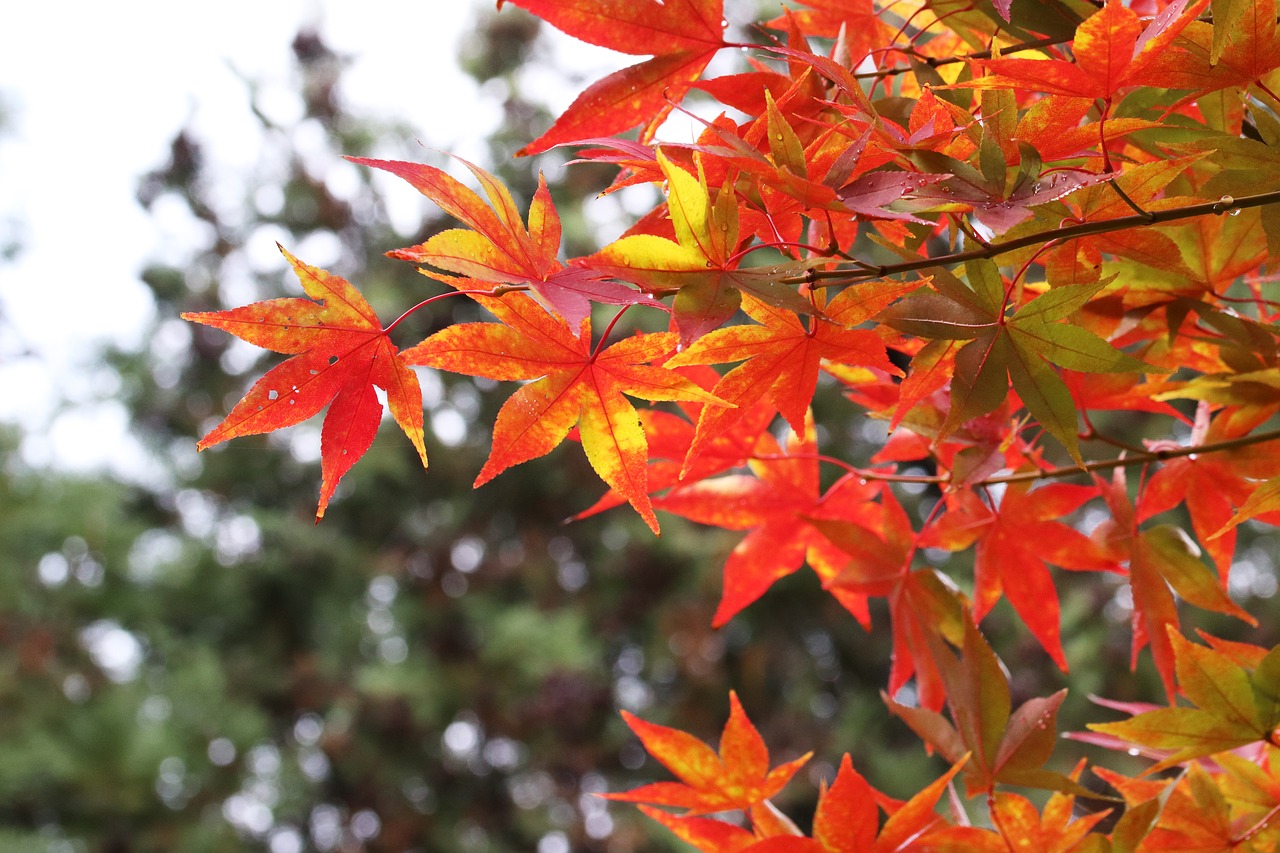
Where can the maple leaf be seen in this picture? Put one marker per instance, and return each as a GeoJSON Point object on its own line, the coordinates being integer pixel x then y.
{"type": "Point", "coordinates": [1019, 825]}
{"type": "Point", "coordinates": [923, 604]}
{"type": "Point", "coordinates": [1162, 559]}
{"type": "Point", "coordinates": [857, 21]}
{"type": "Point", "coordinates": [1265, 499]}
{"type": "Point", "coordinates": [1020, 348]}
{"type": "Point", "coordinates": [340, 352]}
{"type": "Point", "coordinates": [738, 777]}
{"type": "Point", "coordinates": [501, 249]}
{"type": "Point", "coordinates": [1148, 247]}
{"type": "Point", "coordinates": [1004, 745]}
{"type": "Point", "coordinates": [845, 820]}
{"type": "Point", "coordinates": [985, 191]}
{"type": "Point", "coordinates": [573, 386]}
{"type": "Point", "coordinates": [1014, 544]}
{"type": "Point", "coordinates": [783, 356]}
{"type": "Point", "coordinates": [1212, 486]}
{"type": "Point", "coordinates": [1238, 50]}
{"type": "Point", "coordinates": [1112, 51]}
{"type": "Point", "coordinates": [1235, 706]}
{"type": "Point", "coordinates": [702, 265]}
{"type": "Point", "coordinates": [780, 488]}
{"type": "Point", "coordinates": [670, 436]}
{"type": "Point", "coordinates": [681, 35]}
{"type": "Point", "coordinates": [706, 834]}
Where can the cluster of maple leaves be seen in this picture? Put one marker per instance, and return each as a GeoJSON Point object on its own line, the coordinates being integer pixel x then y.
{"type": "Point", "coordinates": [1044, 211]}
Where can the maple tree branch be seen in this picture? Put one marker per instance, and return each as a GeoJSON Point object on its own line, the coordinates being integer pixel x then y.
{"type": "Point", "coordinates": [1223, 205]}
{"type": "Point", "coordinates": [1138, 458]}
{"type": "Point", "coordinates": [938, 62]}
{"type": "Point", "coordinates": [1135, 459]}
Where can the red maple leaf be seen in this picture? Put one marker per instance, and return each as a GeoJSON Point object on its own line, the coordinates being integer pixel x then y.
{"type": "Point", "coordinates": [782, 355]}
{"type": "Point", "coordinates": [680, 35]}
{"type": "Point", "coordinates": [769, 502]}
{"type": "Point", "coordinates": [1212, 485]}
{"type": "Point", "coordinates": [1162, 560]}
{"type": "Point", "coordinates": [340, 352]}
{"type": "Point", "coordinates": [1112, 51]}
{"type": "Point", "coordinates": [1014, 545]}
{"type": "Point", "coordinates": [874, 559]}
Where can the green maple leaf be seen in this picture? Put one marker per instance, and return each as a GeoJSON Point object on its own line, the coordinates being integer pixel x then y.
{"type": "Point", "coordinates": [1234, 706]}
{"type": "Point", "coordinates": [1022, 347]}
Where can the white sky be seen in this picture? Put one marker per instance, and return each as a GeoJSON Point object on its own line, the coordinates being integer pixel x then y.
{"type": "Point", "coordinates": [96, 92]}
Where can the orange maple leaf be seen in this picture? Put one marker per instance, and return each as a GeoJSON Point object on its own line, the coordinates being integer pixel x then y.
{"type": "Point", "coordinates": [782, 355]}
{"type": "Point", "coordinates": [574, 386]}
{"type": "Point", "coordinates": [737, 778]}
{"type": "Point", "coordinates": [501, 249]}
{"type": "Point", "coordinates": [340, 351]}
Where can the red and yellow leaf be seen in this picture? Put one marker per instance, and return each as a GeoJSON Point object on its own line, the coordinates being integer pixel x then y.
{"type": "Point", "coordinates": [573, 385]}
{"type": "Point", "coordinates": [737, 777]}
{"type": "Point", "coordinates": [340, 352]}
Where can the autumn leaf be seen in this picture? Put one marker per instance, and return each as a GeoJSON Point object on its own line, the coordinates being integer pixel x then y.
{"type": "Point", "coordinates": [846, 819]}
{"type": "Point", "coordinates": [681, 35]}
{"type": "Point", "coordinates": [1162, 560]}
{"type": "Point", "coordinates": [1264, 499]}
{"type": "Point", "coordinates": [768, 502]}
{"type": "Point", "coordinates": [701, 264]}
{"type": "Point", "coordinates": [1213, 486]}
{"type": "Point", "coordinates": [1018, 825]}
{"type": "Point", "coordinates": [1234, 706]}
{"type": "Point", "coordinates": [340, 352]}
{"type": "Point", "coordinates": [573, 385]}
{"type": "Point", "coordinates": [1112, 51]}
{"type": "Point", "coordinates": [501, 249]}
{"type": "Point", "coordinates": [1004, 745]}
{"type": "Point", "coordinates": [738, 777]}
{"type": "Point", "coordinates": [1022, 347]}
{"type": "Point", "coordinates": [783, 355]}
{"type": "Point", "coordinates": [1239, 50]}
{"type": "Point", "coordinates": [670, 435]}
{"type": "Point", "coordinates": [875, 561]}
{"type": "Point", "coordinates": [1015, 541]}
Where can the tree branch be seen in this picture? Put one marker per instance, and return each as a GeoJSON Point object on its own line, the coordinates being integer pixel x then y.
{"type": "Point", "coordinates": [1223, 205]}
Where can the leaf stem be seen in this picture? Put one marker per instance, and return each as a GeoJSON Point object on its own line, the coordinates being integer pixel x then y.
{"type": "Point", "coordinates": [497, 291]}
{"type": "Point", "coordinates": [608, 330]}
